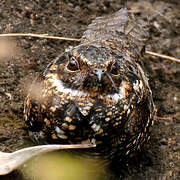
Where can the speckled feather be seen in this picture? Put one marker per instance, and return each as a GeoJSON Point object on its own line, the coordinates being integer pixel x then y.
{"type": "Point", "coordinates": [96, 91]}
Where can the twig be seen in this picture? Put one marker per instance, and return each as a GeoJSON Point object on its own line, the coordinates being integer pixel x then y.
{"type": "Point", "coordinates": [78, 40]}
{"type": "Point", "coordinates": [156, 117]}
{"type": "Point", "coordinates": [163, 56]}
{"type": "Point", "coordinates": [166, 118]}
{"type": "Point", "coordinates": [38, 36]}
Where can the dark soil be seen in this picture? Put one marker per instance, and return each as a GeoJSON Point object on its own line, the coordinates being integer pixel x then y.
{"type": "Point", "coordinates": [160, 158]}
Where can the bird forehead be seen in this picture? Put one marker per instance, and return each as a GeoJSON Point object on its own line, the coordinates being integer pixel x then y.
{"type": "Point", "coordinates": [94, 55]}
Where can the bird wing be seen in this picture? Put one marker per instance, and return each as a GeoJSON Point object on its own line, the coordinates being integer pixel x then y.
{"type": "Point", "coordinates": [120, 26]}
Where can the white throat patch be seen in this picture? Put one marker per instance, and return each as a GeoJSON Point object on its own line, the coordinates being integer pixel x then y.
{"type": "Point", "coordinates": [77, 93]}
{"type": "Point", "coordinates": [60, 87]}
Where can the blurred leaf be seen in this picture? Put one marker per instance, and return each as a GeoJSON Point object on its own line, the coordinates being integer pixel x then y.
{"type": "Point", "coordinates": [63, 166]}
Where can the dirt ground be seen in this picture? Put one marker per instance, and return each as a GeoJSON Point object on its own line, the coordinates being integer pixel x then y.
{"type": "Point", "coordinates": [26, 57]}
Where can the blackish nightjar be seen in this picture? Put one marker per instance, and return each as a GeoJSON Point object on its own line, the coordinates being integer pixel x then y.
{"type": "Point", "coordinates": [96, 91]}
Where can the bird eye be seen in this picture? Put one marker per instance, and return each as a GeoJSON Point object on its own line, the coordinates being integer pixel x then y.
{"type": "Point", "coordinates": [114, 69]}
{"type": "Point", "coordinates": [73, 65]}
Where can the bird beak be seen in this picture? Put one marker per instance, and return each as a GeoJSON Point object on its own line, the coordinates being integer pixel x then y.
{"type": "Point", "coordinates": [98, 73]}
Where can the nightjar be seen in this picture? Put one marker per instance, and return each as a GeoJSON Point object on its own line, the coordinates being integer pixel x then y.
{"type": "Point", "coordinates": [97, 91]}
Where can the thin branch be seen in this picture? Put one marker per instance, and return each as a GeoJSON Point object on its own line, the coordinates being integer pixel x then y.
{"type": "Point", "coordinates": [166, 118]}
{"type": "Point", "coordinates": [78, 40]}
{"type": "Point", "coordinates": [38, 36]}
{"type": "Point", "coordinates": [163, 56]}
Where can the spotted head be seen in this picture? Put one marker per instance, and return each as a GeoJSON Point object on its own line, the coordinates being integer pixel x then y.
{"type": "Point", "coordinates": [91, 69]}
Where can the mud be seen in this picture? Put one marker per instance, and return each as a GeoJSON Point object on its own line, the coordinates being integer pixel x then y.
{"type": "Point", "coordinates": [160, 158]}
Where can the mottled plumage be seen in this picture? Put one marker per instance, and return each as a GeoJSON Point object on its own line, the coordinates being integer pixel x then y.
{"type": "Point", "coordinates": [96, 91]}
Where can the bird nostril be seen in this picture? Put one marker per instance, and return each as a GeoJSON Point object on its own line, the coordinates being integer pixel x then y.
{"type": "Point", "coordinates": [95, 71]}
{"type": "Point", "coordinates": [98, 71]}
